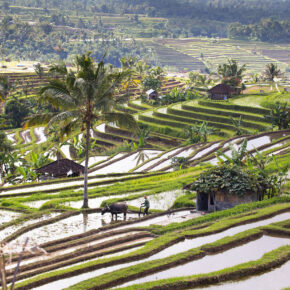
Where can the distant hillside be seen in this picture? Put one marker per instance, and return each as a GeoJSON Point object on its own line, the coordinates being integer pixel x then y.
{"type": "Point", "coordinates": [185, 17]}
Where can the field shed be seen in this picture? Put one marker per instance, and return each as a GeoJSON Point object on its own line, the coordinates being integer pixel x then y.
{"type": "Point", "coordinates": [222, 200]}
{"type": "Point", "coordinates": [61, 168]}
{"type": "Point", "coordinates": [222, 92]}
{"type": "Point", "coordinates": [151, 94]}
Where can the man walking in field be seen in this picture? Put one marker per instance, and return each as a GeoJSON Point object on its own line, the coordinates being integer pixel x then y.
{"type": "Point", "coordinates": [146, 204]}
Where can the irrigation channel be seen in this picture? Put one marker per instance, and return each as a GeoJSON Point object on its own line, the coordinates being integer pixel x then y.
{"type": "Point", "coordinates": [249, 251]}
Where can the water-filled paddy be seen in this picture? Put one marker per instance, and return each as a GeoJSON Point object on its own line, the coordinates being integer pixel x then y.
{"type": "Point", "coordinates": [167, 162]}
{"type": "Point", "coordinates": [181, 247]}
{"type": "Point", "coordinates": [197, 242]}
{"type": "Point", "coordinates": [78, 224]}
{"type": "Point", "coordinates": [251, 251]}
{"type": "Point", "coordinates": [152, 162]}
{"type": "Point", "coordinates": [276, 279]}
{"type": "Point", "coordinates": [10, 230]}
{"type": "Point", "coordinates": [7, 216]}
{"type": "Point", "coordinates": [127, 163]}
{"type": "Point", "coordinates": [162, 201]}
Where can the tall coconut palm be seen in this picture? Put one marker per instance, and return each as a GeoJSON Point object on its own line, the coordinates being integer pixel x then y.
{"type": "Point", "coordinates": [84, 98]}
{"type": "Point", "coordinates": [271, 73]}
{"type": "Point", "coordinates": [231, 72]}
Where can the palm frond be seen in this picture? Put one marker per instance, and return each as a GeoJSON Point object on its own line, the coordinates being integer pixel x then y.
{"type": "Point", "coordinates": [57, 95]}
{"type": "Point", "coordinates": [39, 119]}
{"type": "Point", "coordinates": [123, 120]}
{"type": "Point", "coordinates": [64, 118]}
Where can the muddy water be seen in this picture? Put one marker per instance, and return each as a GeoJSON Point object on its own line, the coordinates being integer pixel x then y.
{"type": "Point", "coordinates": [127, 163]}
{"type": "Point", "coordinates": [58, 186]}
{"type": "Point", "coordinates": [36, 203]}
{"type": "Point", "coordinates": [7, 216]}
{"type": "Point", "coordinates": [95, 159]}
{"type": "Point", "coordinates": [166, 163]}
{"type": "Point", "coordinates": [252, 144]}
{"type": "Point", "coordinates": [73, 249]}
{"type": "Point", "coordinates": [276, 279]}
{"type": "Point", "coordinates": [156, 220]}
{"type": "Point", "coordinates": [164, 156]}
{"type": "Point", "coordinates": [119, 155]}
{"type": "Point", "coordinates": [10, 230]}
{"type": "Point", "coordinates": [204, 151]}
{"type": "Point", "coordinates": [251, 251]}
{"type": "Point", "coordinates": [94, 202]}
{"type": "Point", "coordinates": [181, 248]}
{"type": "Point", "coordinates": [70, 226]}
{"type": "Point", "coordinates": [161, 201]}
{"type": "Point", "coordinates": [197, 242]}
{"type": "Point", "coordinates": [39, 132]}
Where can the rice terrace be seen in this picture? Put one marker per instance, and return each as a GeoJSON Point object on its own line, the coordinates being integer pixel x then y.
{"type": "Point", "coordinates": [144, 144]}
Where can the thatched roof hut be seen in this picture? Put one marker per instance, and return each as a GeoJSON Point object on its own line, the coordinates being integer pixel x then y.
{"type": "Point", "coordinates": [62, 168]}
{"type": "Point", "coordinates": [222, 92]}
{"type": "Point", "coordinates": [151, 94]}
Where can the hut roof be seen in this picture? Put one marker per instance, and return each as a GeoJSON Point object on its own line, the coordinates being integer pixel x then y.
{"type": "Point", "coordinates": [221, 89]}
{"type": "Point", "coordinates": [151, 91]}
{"type": "Point", "coordinates": [188, 186]}
{"type": "Point", "coordinates": [61, 168]}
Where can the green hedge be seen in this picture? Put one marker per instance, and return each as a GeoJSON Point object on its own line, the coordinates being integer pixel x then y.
{"type": "Point", "coordinates": [186, 121]}
{"type": "Point", "coordinates": [138, 107]}
{"type": "Point", "coordinates": [223, 113]}
{"type": "Point", "coordinates": [126, 110]}
{"type": "Point", "coordinates": [234, 107]}
{"type": "Point", "coordinates": [214, 118]}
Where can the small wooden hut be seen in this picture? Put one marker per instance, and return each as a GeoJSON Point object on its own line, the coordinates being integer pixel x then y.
{"type": "Point", "coordinates": [151, 94]}
{"type": "Point", "coordinates": [61, 168]}
{"type": "Point", "coordinates": [222, 92]}
{"type": "Point", "coordinates": [221, 200]}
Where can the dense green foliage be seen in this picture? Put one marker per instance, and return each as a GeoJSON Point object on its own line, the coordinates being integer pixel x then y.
{"type": "Point", "coordinates": [225, 178]}
{"type": "Point", "coordinates": [269, 30]}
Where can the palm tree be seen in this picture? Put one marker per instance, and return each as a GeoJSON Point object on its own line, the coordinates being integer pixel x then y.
{"type": "Point", "coordinates": [231, 73]}
{"type": "Point", "coordinates": [279, 116]}
{"type": "Point", "coordinates": [5, 88]}
{"type": "Point", "coordinates": [59, 69]}
{"type": "Point", "coordinates": [84, 98]}
{"type": "Point", "coordinates": [271, 73]}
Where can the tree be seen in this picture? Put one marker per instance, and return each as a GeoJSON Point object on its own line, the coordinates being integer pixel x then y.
{"type": "Point", "coordinates": [238, 124]}
{"type": "Point", "coordinates": [39, 70]}
{"type": "Point", "coordinates": [231, 73]}
{"type": "Point", "coordinates": [179, 163]}
{"type": "Point", "coordinates": [90, 98]}
{"type": "Point", "coordinates": [15, 111]}
{"type": "Point", "coordinates": [279, 115]}
{"type": "Point", "coordinates": [59, 69]}
{"type": "Point", "coordinates": [5, 88]}
{"type": "Point", "coordinates": [197, 133]}
{"type": "Point", "coordinates": [272, 72]}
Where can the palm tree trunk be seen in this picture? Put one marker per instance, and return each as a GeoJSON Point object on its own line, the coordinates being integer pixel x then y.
{"type": "Point", "coordinates": [86, 203]}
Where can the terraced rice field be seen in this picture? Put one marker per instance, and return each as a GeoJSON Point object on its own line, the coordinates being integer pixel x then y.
{"type": "Point", "coordinates": [214, 52]}
{"type": "Point", "coordinates": [87, 250]}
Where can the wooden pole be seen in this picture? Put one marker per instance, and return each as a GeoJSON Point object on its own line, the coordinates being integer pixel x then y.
{"type": "Point", "coordinates": [18, 264]}
{"type": "Point", "coordinates": [3, 272]}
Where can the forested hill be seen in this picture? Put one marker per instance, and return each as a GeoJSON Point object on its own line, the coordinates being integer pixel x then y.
{"type": "Point", "coordinates": [264, 20]}
{"type": "Point", "coordinates": [244, 11]}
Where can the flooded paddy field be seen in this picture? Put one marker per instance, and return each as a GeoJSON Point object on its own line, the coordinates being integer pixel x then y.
{"type": "Point", "coordinates": [251, 251]}
{"type": "Point", "coordinates": [275, 279]}
{"type": "Point", "coordinates": [73, 225]}
{"type": "Point", "coordinates": [7, 216]}
{"type": "Point", "coordinates": [264, 245]}
{"type": "Point", "coordinates": [12, 229]}
{"type": "Point", "coordinates": [162, 201]}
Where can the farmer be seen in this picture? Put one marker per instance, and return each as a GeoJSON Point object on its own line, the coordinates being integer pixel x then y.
{"type": "Point", "coordinates": [145, 204]}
